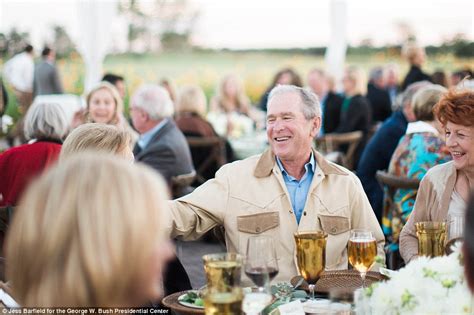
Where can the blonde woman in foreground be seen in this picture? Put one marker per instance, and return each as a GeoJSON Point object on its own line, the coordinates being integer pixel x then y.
{"type": "Point", "coordinates": [98, 138]}
{"type": "Point", "coordinates": [78, 241]}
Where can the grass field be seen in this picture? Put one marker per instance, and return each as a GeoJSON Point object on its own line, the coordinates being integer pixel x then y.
{"type": "Point", "coordinates": [206, 68]}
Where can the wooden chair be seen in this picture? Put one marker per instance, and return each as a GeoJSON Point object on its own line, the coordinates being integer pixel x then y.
{"type": "Point", "coordinates": [215, 157]}
{"type": "Point", "coordinates": [393, 183]}
{"type": "Point", "coordinates": [334, 142]}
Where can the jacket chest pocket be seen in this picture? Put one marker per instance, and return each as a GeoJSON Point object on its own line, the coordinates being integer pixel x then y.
{"type": "Point", "coordinates": [266, 223]}
{"type": "Point", "coordinates": [334, 225]}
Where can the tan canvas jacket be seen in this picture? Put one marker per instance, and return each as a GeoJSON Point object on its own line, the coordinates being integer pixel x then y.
{"type": "Point", "coordinates": [249, 197]}
{"type": "Point", "coordinates": [432, 204]}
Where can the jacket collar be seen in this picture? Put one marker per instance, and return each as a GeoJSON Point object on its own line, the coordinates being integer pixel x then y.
{"type": "Point", "coordinates": [267, 161]}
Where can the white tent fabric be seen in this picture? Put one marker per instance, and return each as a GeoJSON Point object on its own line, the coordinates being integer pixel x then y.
{"type": "Point", "coordinates": [336, 51]}
{"type": "Point", "coordinates": [95, 19]}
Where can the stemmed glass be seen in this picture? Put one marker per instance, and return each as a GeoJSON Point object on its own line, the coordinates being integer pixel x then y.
{"type": "Point", "coordinates": [362, 249]}
{"type": "Point", "coordinates": [261, 267]}
{"type": "Point", "coordinates": [311, 256]}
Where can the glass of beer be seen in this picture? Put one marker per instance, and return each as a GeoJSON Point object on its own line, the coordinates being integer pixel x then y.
{"type": "Point", "coordinates": [311, 256]}
{"type": "Point", "coordinates": [223, 270]}
{"type": "Point", "coordinates": [362, 249]}
{"type": "Point", "coordinates": [223, 303]}
{"type": "Point", "coordinates": [455, 227]}
{"type": "Point", "coordinates": [431, 238]}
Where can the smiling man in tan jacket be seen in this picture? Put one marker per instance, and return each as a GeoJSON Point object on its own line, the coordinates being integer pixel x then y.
{"type": "Point", "coordinates": [288, 188]}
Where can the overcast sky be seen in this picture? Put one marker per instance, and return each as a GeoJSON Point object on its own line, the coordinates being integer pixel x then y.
{"type": "Point", "coordinates": [273, 23]}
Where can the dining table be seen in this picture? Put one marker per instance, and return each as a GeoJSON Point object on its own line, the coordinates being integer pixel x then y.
{"type": "Point", "coordinates": [333, 287]}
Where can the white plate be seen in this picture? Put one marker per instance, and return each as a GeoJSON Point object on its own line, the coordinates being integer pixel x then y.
{"type": "Point", "coordinates": [182, 296]}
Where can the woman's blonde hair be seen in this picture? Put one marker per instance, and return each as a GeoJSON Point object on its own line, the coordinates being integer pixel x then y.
{"type": "Point", "coordinates": [115, 95]}
{"type": "Point", "coordinates": [221, 99]}
{"type": "Point", "coordinates": [425, 99]}
{"type": "Point", "coordinates": [192, 99]}
{"type": "Point", "coordinates": [95, 137]}
{"type": "Point", "coordinates": [411, 50]}
{"type": "Point", "coordinates": [85, 234]}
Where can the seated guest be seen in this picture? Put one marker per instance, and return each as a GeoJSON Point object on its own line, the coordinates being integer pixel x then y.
{"type": "Point", "coordinates": [421, 148]}
{"type": "Point", "coordinates": [416, 57]}
{"type": "Point", "coordinates": [97, 138]}
{"type": "Point", "coordinates": [356, 114]}
{"type": "Point", "coordinates": [105, 106]}
{"type": "Point", "coordinates": [376, 155]}
{"type": "Point", "coordinates": [78, 241]}
{"type": "Point", "coordinates": [163, 147]}
{"type": "Point", "coordinates": [288, 188]}
{"type": "Point", "coordinates": [331, 103]}
{"type": "Point", "coordinates": [286, 76]}
{"type": "Point", "coordinates": [378, 97]}
{"type": "Point", "coordinates": [190, 113]}
{"type": "Point", "coordinates": [230, 110]}
{"type": "Point", "coordinates": [468, 246]}
{"type": "Point", "coordinates": [445, 188]}
{"type": "Point", "coordinates": [46, 125]}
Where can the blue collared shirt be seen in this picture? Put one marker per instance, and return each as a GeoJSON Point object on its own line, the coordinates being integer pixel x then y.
{"type": "Point", "coordinates": [298, 190]}
{"type": "Point", "coordinates": [145, 138]}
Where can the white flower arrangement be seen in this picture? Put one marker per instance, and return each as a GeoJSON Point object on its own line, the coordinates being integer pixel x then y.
{"type": "Point", "coordinates": [425, 286]}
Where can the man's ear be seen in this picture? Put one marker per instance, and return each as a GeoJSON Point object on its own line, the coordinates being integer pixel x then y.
{"type": "Point", "coordinates": [316, 126]}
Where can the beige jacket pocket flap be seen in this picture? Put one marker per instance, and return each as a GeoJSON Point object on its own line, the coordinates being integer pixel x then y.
{"type": "Point", "coordinates": [258, 223]}
{"type": "Point", "coordinates": [333, 224]}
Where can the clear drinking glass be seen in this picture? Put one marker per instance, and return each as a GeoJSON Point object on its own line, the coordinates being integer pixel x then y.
{"type": "Point", "coordinates": [362, 249]}
{"type": "Point", "coordinates": [261, 267]}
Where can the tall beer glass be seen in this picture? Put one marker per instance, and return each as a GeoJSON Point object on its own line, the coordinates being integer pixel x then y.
{"type": "Point", "coordinates": [311, 256]}
{"type": "Point", "coordinates": [362, 249]}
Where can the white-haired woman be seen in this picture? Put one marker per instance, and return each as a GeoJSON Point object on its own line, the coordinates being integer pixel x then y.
{"type": "Point", "coordinates": [78, 241]}
{"type": "Point", "coordinates": [46, 125]}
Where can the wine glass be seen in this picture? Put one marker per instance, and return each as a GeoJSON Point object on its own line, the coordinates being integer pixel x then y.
{"type": "Point", "coordinates": [311, 256]}
{"type": "Point", "coordinates": [362, 249]}
{"type": "Point", "coordinates": [455, 226]}
{"type": "Point", "coordinates": [261, 267]}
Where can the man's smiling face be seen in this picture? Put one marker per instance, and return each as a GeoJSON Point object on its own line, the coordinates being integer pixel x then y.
{"type": "Point", "coordinates": [289, 133]}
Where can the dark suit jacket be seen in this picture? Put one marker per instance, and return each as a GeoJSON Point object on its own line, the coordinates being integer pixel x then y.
{"type": "Point", "coordinates": [377, 155]}
{"type": "Point", "coordinates": [380, 102]}
{"type": "Point", "coordinates": [357, 116]}
{"type": "Point", "coordinates": [168, 152]}
{"type": "Point", "coordinates": [415, 75]}
{"type": "Point", "coordinates": [332, 112]}
{"type": "Point", "coordinates": [46, 79]}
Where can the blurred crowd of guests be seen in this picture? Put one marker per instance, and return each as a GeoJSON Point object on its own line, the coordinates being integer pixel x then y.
{"type": "Point", "coordinates": [408, 126]}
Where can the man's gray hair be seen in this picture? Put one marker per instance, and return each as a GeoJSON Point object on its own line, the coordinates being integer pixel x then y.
{"type": "Point", "coordinates": [310, 103]}
{"type": "Point", "coordinates": [376, 74]}
{"type": "Point", "coordinates": [407, 96]}
{"type": "Point", "coordinates": [46, 121]}
{"type": "Point", "coordinates": [154, 100]}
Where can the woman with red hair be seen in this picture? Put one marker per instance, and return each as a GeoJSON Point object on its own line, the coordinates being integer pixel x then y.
{"type": "Point", "coordinates": [445, 188]}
